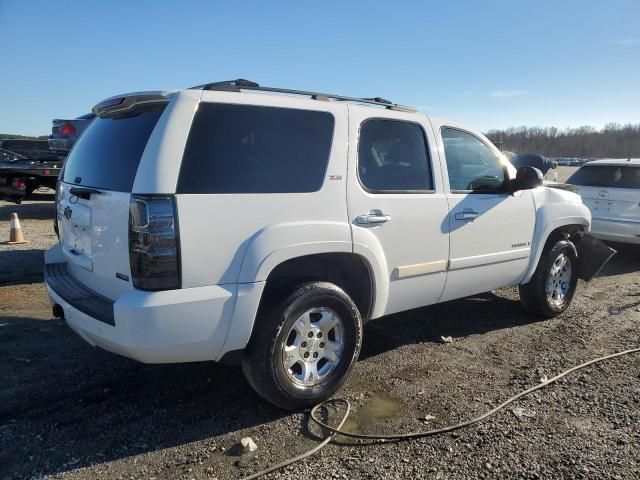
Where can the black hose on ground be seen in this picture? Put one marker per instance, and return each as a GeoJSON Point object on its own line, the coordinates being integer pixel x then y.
{"type": "Point", "coordinates": [333, 431]}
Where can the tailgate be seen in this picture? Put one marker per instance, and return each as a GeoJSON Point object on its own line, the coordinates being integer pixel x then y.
{"type": "Point", "coordinates": [612, 203]}
{"type": "Point", "coordinates": [94, 195]}
{"type": "Point", "coordinates": [94, 236]}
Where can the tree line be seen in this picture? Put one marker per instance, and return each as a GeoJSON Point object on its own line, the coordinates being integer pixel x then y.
{"type": "Point", "coordinates": [4, 136]}
{"type": "Point", "coordinates": [612, 141]}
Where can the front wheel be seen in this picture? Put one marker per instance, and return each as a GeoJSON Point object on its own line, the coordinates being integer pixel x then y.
{"type": "Point", "coordinates": [303, 349]}
{"type": "Point", "coordinates": [551, 289]}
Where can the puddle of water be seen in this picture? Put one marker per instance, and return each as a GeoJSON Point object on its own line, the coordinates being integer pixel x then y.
{"type": "Point", "coordinates": [375, 408]}
{"type": "Point", "coordinates": [378, 407]}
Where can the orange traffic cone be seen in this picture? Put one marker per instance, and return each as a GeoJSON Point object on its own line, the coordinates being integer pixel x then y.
{"type": "Point", "coordinates": [15, 234]}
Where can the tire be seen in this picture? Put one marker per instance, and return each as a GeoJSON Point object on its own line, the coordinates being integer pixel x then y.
{"type": "Point", "coordinates": [534, 295]}
{"type": "Point", "coordinates": [283, 334]}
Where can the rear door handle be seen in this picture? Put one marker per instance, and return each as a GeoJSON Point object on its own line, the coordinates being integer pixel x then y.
{"type": "Point", "coordinates": [467, 215]}
{"type": "Point", "coordinates": [372, 218]}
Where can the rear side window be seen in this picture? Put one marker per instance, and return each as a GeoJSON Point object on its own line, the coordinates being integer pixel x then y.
{"type": "Point", "coordinates": [609, 176]}
{"type": "Point", "coordinates": [254, 149]}
{"type": "Point", "coordinates": [108, 153]}
{"type": "Point", "coordinates": [392, 157]}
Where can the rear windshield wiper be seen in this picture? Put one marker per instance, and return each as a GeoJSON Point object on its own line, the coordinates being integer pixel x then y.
{"type": "Point", "coordinates": [83, 192]}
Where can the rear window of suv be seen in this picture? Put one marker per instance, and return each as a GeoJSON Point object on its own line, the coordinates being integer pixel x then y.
{"type": "Point", "coordinates": [108, 153]}
{"type": "Point", "coordinates": [255, 149]}
{"type": "Point", "coordinates": [608, 176]}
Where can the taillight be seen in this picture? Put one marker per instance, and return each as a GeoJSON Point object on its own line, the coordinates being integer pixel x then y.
{"type": "Point", "coordinates": [154, 250]}
{"type": "Point", "coordinates": [67, 129]}
{"type": "Point", "coordinates": [19, 184]}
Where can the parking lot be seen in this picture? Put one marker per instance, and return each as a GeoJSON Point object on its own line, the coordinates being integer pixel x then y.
{"type": "Point", "coordinates": [68, 410]}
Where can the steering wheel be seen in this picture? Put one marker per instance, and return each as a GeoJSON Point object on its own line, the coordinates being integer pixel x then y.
{"type": "Point", "coordinates": [483, 186]}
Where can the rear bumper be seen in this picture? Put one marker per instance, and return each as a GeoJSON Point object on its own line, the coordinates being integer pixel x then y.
{"type": "Point", "coordinates": [58, 280]}
{"type": "Point", "coordinates": [616, 230]}
{"type": "Point", "coordinates": [170, 326]}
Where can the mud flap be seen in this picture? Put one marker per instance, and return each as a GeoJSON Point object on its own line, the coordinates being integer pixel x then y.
{"type": "Point", "coordinates": [593, 255]}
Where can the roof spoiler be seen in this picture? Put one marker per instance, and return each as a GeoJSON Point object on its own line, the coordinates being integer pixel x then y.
{"type": "Point", "coordinates": [129, 101]}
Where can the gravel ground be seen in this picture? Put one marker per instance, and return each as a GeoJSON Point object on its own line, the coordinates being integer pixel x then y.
{"type": "Point", "coordinates": [23, 263]}
{"type": "Point", "coordinates": [68, 410]}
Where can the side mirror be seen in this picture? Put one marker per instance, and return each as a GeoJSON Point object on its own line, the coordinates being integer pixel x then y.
{"type": "Point", "coordinates": [553, 164]}
{"type": "Point", "coordinates": [527, 178]}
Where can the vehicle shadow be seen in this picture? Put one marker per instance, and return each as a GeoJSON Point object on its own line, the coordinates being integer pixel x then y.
{"type": "Point", "coordinates": [627, 260]}
{"type": "Point", "coordinates": [28, 210]}
{"type": "Point", "coordinates": [458, 318]}
{"type": "Point", "coordinates": [472, 203]}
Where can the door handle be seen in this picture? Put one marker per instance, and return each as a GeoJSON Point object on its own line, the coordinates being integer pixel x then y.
{"type": "Point", "coordinates": [466, 215]}
{"type": "Point", "coordinates": [372, 218]}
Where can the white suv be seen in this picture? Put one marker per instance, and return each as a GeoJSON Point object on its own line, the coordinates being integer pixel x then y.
{"type": "Point", "coordinates": [233, 222]}
{"type": "Point", "coordinates": [611, 190]}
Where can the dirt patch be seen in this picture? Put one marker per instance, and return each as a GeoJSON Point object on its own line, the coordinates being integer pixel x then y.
{"type": "Point", "coordinates": [68, 410]}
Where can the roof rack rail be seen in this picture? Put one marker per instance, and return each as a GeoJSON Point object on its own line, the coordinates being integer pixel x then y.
{"type": "Point", "coordinates": [242, 84]}
{"type": "Point", "coordinates": [227, 85]}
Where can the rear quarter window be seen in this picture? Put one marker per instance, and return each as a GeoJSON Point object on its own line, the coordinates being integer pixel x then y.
{"type": "Point", "coordinates": [608, 176]}
{"type": "Point", "coordinates": [255, 149]}
{"type": "Point", "coordinates": [108, 153]}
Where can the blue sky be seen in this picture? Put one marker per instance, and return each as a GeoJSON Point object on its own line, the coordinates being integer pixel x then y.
{"type": "Point", "coordinates": [492, 63]}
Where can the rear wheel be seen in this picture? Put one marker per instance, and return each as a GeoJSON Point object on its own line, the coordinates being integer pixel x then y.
{"type": "Point", "coordinates": [303, 349]}
{"type": "Point", "coordinates": [551, 289]}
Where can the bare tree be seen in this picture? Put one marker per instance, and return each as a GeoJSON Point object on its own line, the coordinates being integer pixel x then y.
{"type": "Point", "coordinates": [613, 140]}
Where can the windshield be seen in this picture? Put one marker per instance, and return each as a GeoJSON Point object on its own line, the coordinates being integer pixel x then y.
{"type": "Point", "coordinates": [108, 152]}
{"type": "Point", "coordinates": [608, 176]}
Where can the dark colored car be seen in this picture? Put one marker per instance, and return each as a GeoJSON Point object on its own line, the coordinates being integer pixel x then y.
{"type": "Point", "coordinates": [33, 149]}
{"type": "Point", "coordinates": [21, 176]}
{"type": "Point", "coordinates": [64, 133]}
{"type": "Point", "coordinates": [543, 164]}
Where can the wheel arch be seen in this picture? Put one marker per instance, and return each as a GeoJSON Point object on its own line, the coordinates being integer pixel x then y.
{"type": "Point", "coordinates": [288, 250]}
{"type": "Point", "coordinates": [276, 244]}
{"type": "Point", "coordinates": [347, 270]}
{"type": "Point", "coordinates": [568, 229]}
